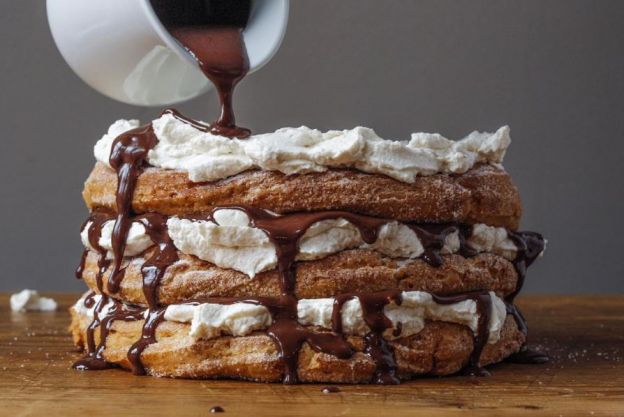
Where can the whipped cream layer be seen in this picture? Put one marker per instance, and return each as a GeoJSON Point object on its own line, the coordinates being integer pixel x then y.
{"type": "Point", "coordinates": [230, 241]}
{"type": "Point", "coordinates": [208, 157]}
{"type": "Point", "coordinates": [210, 320]}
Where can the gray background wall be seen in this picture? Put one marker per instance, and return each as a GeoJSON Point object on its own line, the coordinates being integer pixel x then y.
{"type": "Point", "coordinates": [553, 70]}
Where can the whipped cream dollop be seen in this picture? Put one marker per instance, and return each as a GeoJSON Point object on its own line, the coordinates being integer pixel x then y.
{"type": "Point", "coordinates": [30, 300]}
{"type": "Point", "coordinates": [231, 241]}
{"type": "Point", "coordinates": [301, 150]}
{"type": "Point", "coordinates": [209, 320]}
{"type": "Point", "coordinates": [136, 242]}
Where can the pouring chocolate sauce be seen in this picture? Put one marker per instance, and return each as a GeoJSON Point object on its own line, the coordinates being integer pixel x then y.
{"type": "Point", "coordinates": [212, 32]}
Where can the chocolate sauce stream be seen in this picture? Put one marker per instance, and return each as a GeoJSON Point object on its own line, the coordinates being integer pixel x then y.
{"type": "Point", "coordinates": [212, 32]}
{"type": "Point", "coordinates": [81, 265]}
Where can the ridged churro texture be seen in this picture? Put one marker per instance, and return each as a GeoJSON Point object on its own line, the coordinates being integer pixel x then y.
{"type": "Point", "coordinates": [484, 194]}
{"type": "Point", "coordinates": [439, 349]}
{"type": "Point", "coordinates": [348, 271]}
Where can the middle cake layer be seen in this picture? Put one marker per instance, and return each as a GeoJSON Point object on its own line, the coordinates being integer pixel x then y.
{"type": "Point", "coordinates": [349, 271]}
{"type": "Point", "coordinates": [239, 251]}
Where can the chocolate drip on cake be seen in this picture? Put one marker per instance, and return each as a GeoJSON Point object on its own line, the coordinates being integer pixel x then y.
{"type": "Point", "coordinates": [483, 301]}
{"type": "Point", "coordinates": [375, 344]}
{"type": "Point", "coordinates": [529, 246]}
{"type": "Point", "coordinates": [289, 335]}
{"type": "Point", "coordinates": [127, 158]}
{"type": "Point", "coordinates": [285, 232]}
{"type": "Point", "coordinates": [165, 255]}
{"type": "Point", "coordinates": [94, 360]}
{"type": "Point", "coordinates": [148, 336]}
{"type": "Point", "coordinates": [432, 238]}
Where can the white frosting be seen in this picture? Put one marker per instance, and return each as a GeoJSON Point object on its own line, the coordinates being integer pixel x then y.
{"type": "Point", "coordinates": [213, 320]}
{"type": "Point", "coordinates": [492, 239]}
{"type": "Point", "coordinates": [207, 157]}
{"type": "Point", "coordinates": [232, 242]}
{"type": "Point", "coordinates": [137, 241]}
{"type": "Point", "coordinates": [30, 300]}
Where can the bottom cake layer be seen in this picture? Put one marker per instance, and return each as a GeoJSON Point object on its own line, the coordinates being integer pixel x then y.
{"type": "Point", "coordinates": [440, 348]}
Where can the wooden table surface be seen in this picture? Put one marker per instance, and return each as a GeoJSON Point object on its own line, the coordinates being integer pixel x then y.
{"type": "Point", "coordinates": [583, 335]}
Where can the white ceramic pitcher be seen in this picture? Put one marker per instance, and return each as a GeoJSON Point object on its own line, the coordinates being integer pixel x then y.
{"type": "Point", "coordinates": [121, 49]}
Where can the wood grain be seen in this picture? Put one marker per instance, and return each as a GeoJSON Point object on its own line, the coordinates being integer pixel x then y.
{"type": "Point", "coordinates": [583, 335]}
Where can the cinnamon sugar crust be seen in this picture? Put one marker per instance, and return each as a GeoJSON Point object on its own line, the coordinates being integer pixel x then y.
{"type": "Point", "coordinates": [484, 194]}
{"type": "Point", "coordinates": [355, 270]}
{"type": "Point", "coordinates": [441, 348]}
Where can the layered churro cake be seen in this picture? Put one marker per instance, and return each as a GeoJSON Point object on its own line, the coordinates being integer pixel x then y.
{"type": "Point", "coordinates": [300, 255]}
{"type": "Point", "coordinates": [296, 255]}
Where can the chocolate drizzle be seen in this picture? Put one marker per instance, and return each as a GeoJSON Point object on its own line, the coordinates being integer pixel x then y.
{"type": "Point", "coordinates": [148, 336]}
{"type": "Point", "coordinates": [165, 254]}
{"type": "Point", "coordinates": [375, 345]}
{"type": "Point", "coordinates": [529, 246]}
{"type": "Point", "coordinates": [289, 335]}
{"type": "Point", "coordinates": [285, 232]}
{"type": "Point", "coordinates": [127, 158]}
{"type": "Point", "coordinates": [94, 360]}
{"type": "Point", "coordinates": [525, 355]}
{"type": "Point", "coordinates": [432, 238]}
{"type": "Point", "coordinates": [483, 301]}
